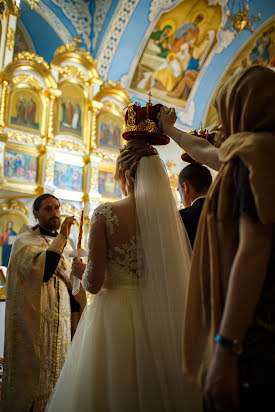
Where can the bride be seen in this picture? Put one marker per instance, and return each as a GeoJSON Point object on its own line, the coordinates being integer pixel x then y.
{"type": "Point", "coordinates": [126, 353]}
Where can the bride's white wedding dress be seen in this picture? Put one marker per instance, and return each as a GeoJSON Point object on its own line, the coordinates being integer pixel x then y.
{"type": "Point", "coordinates": [120, 360]}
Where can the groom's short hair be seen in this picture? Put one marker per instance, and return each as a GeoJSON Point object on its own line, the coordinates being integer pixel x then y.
{"type": "Point", "coordinates": [197, 175]}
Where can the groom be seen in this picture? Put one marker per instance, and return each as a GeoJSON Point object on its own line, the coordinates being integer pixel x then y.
{"type": "Point", "coordinates": [193, 184]}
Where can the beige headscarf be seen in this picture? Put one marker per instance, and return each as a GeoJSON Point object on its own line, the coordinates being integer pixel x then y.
{"type": "Point", "coordinates": [246, 108]}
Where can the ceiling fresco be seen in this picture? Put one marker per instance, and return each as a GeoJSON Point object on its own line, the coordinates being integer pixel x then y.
{"type": "Point", "coordinates": [177, 50]}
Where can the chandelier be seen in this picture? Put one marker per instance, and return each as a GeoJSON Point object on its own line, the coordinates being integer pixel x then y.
{"type": "Point", "coordinates": [241, 20]}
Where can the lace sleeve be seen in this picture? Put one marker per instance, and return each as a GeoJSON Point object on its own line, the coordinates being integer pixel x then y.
{"type": "Point", "coordinates": [93, 276]}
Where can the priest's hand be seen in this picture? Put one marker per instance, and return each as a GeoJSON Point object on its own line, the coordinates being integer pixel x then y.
{"type": "Point", "coordinates": [66, 226]}
{"type": "Point", "coordinates": [167, 118]}
{"type": "Point", "coordinates": [78, 268]}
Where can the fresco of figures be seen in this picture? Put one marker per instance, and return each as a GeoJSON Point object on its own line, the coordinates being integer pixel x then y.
{"type": "Point", "coordinates": [25, 110]}
{"type": "Point", "coordinates": [107, 185]}
{"type": "Point", "coordinates": [68, 177]}
{"type": "Point", "coordinates": [109, 131]}
{"type": "Point", "coordinates": [176, 52]}
{"type": "Point", "coordinates": [20, 166]}
{"type": "Point", "coordinates": [260, 49]}
{"type": "Point", "coordinates": [71, 111]}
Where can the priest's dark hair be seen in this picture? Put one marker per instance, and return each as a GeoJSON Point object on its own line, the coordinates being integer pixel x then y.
{"type": "Point", "coordinates": [39, 200]}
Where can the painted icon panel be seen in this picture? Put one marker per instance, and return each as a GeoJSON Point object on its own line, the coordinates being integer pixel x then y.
{"type": "Point", "coordinates": [68, 176]}
{"type": "Point", "coordinates": [109, 131]}
{"type": "Point", "coordinates": [20, 166]}
{"type": "Point", "coordinates": [25, 110]}
{"type": "Point", "coordinates": [107, 185]}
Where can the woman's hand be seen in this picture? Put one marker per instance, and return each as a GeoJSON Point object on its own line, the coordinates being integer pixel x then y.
{"type": "Point", "coordinates": [167, 118]}
{"type": "Point", "coordinates": [78, 268]}
{"type": "Point", "coordinates": [222, 382]}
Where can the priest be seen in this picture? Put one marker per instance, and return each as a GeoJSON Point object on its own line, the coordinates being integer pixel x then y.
{"type": "Point", "coordinates": [40, 309]}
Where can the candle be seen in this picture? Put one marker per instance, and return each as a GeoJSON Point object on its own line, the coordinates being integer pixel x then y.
{"type": "Point", "coordinates": [81, 227]}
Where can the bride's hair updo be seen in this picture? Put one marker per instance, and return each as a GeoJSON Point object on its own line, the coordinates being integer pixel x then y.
{"type": "Point", "coordinates": [130, 155]}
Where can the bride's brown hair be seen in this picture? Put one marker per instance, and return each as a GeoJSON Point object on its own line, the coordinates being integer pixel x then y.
{"type": "Point", "coordinates": [130, 155]}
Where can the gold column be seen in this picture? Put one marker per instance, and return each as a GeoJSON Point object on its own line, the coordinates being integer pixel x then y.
{"type": "Point", "coordinates": [94, 107]}
{"type": "Point", "coordinates": [3, 104]}
{"type": "Point", "coordinates": [51, 94]}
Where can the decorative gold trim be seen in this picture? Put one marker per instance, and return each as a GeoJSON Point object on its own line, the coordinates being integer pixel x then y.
{"type": "Point", "coordinates": [2, 295]}
{"type": "Point", "coordinates": [70, 53]}
{"type": "Point", "coordinates": [67, 209]}
{"type": "Point", "coordinates": [22, 187]}
{"type": "Point", "coordinates": [69, 144]}
{"type": "Point", "coordinates": [72, 71]}
{"type": "Point", "coordinates": [107, 156]}
{"type": "Point", "coordinates": [29, 80]}
{"type": "Point", "coordinates": [115, 90]}
{"type": "Point", "coordinates": [11, 205]}
{"type": "Point", "coordinates": [33, 4]}
{"type": "Point", "coordinates": [50, 133]}
{"type": "Point", "coordinates": [32, 57]}
{"type": "Point", "coordinates": [10, 38]}
{"type": "Point", "coordinates": [3, 103]}
{"type": "Point", "coordinates": [24, 138]}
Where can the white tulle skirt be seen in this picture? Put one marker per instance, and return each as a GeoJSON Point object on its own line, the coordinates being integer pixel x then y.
{"type": "Point", "coordinates": [110, 367]}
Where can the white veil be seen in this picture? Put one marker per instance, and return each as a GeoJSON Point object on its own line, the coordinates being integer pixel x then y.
{"type": "Point", "coordinates": [164, 263]}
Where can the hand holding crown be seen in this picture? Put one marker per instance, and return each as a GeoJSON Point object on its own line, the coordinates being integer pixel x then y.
{"type": "Point", "coordinates": [168, 118]}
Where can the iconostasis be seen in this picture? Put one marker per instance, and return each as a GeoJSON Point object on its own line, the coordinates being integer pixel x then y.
{"type": "Point", "coordinates": [60, 133]}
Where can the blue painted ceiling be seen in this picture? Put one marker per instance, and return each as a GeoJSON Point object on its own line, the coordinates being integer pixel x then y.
{"type": "Point", "coordinates": [116, 31]}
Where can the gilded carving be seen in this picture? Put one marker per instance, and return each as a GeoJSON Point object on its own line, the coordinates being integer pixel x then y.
{"type": "Point", "coordinates": [72, 71]}
{"type": "Point", "coordinates": [70, 145]}
{"type": "Point", "coordinates": [13, 204]}
{"type": "Point", "coordinates": [24, 138]}
{"type": "Point", "coordinates": [49, 173]}
{"type": "Point", "coordinates": [33, 3]}
{"type": "Point", "coordinates": [94, 177]}
{"type": "Point", "coordinates": [32, 57]}
{"type": "Point", "coordinates": [27, 79]}
{"type": "Point", "coordinates": [10, 38]}
{"type": "Point", "coordinates": [109, 157]}
{"type": "Point", "coordinates": [66, 208]}
{"type": "Point", "coordinates": [116, 90]}
{"type": "Point", "coordinates": [3, 102]}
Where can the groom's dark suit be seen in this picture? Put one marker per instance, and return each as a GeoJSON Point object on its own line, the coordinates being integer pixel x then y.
{"type": "Point", "coordinates": [190, 217]}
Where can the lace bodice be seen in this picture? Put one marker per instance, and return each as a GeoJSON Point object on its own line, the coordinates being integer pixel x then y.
{"type": "Point", "coordinates": [120, 252]}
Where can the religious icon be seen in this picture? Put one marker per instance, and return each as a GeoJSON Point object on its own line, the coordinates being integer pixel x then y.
{"type": "Point", "coordinates": [25, 110]}
{"type": "Point", "coordinates": [68, 177]}
{"type": "Point", "coordinates": [20, 166]}
{"type": "Point", "coordinates": [109, 131]}
{"type": "Point", "coordinates": [71, 111]}
{"type": "Point", "coordinates": [10, 225]}
{"type": "Point", "coordinates": [107, 185]}
{"type": "Point", "coordinates": [176, 51]}
{"type": "Point", "coordinates": [7, 238]}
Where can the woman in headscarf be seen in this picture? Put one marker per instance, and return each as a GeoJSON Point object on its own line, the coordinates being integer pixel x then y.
{"type": "Point", "coordinates": [229, 332]}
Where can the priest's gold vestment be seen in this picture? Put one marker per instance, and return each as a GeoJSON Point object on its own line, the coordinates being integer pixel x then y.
{"type": "Point", "coordinates": [38, 321]}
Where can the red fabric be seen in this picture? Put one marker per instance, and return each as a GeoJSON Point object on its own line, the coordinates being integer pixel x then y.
{"type": "Point", "coordinates": [154, 138]}
{"type": "Point", "coordinates": [208, 136]}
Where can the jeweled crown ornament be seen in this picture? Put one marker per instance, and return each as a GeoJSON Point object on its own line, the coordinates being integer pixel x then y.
{"type": "Point", "coordinates": [204, 134]}
{"type": "Point", "coordinates": [142, 123]}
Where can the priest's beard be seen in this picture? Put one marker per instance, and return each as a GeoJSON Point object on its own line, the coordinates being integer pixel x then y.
{"type": "Point", "coordinates": [52, 224]}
